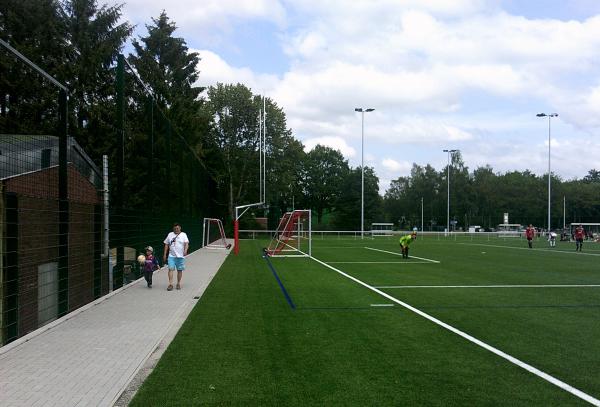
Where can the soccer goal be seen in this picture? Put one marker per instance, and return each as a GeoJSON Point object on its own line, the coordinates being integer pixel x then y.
{"type": "Point", "coordinates": [382, 229]}
{"type": "Point", "coordinates": [213, 234]}
{"type": "Point", "coordinates": [293, 237]}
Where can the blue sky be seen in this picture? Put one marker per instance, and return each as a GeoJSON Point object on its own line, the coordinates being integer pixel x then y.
{"type": "Point", "coordinates": [465, 74]}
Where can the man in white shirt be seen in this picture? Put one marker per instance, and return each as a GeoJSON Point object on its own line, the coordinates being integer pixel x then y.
{"type": "Point", "coordinates": [176, 246]}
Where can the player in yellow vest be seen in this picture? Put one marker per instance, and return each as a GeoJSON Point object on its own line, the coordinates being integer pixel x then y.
{"type": "Point", "coordinates": [405, 241]}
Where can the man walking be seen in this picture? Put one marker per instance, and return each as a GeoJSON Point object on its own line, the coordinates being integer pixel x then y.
{"type": "Point", "coordinates": [176, 246]}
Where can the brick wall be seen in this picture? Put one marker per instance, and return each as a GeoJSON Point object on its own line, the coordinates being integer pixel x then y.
{"type": "Point", "coordinates": [38, 237]}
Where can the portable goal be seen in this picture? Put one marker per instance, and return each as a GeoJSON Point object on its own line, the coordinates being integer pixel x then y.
{"type": "Point", "coordinates": [213, 234]}
{"type": "Point", "coordinates": [293, 237]}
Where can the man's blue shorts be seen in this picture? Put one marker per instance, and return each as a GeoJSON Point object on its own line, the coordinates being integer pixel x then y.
{"type": "Point", "coordinates": [176, 263]}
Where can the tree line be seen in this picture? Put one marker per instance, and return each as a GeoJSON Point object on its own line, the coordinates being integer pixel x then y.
{"type": "Point", "coordinates": [482, 196]}
{"type": "Point", "coordinates": [78, 42]}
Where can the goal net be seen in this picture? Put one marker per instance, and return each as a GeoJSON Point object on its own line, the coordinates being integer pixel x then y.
{"type": "Point", "coordinates": [213, 234]}
{"type": "Point", "coordinates": [382, 229]}
{"type": "Point", "coordinates": [293, 237]}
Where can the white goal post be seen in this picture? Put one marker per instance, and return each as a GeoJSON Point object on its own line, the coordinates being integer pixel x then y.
{"type": "Point", "coordinates": [293, 237]}
{"type": "Point", "coordinates": [382, 229]}
{"type": "Point", "coordinates": [213, 234]}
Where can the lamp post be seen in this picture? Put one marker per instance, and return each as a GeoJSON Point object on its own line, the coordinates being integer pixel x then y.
{"type": "Point", "coordinates": [448, 214]}
{"type": "Point", "coordinates": [549, 116]}
{"type": "Point", "coordinates": [362, 166]}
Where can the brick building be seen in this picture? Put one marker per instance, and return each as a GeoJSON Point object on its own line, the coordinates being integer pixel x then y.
{"type": "Point", "coordinates": [34, 292]}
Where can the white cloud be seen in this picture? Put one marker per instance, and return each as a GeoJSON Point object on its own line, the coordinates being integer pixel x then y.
{"type": "Point", "coordinates": [393, 165]}
{"type": "Point", "coordinates": [214, 69]}
{"type": "Point", "coordinates": [207, 21]}
{"type": "Point", "coordinates": [336, 143]}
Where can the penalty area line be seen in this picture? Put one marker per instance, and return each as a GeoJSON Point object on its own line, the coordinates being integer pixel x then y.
{"type": "Point", "coordinates": [548, 250]}
{"type": "Point", "coordinates": [378, 262]}
{"type": "Point", "coordinates": [551, 379]}
{"type": "Point", "coordinates": [399, 254]}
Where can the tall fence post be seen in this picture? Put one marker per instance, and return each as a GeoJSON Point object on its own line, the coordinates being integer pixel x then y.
{"type": "Point", "coordinates": [63, 207]}
{"type": "Point", "coordinates": [169, 178]}
{"type": "Point", "coordinates": [105, 194]}
{"type": "Point", "coordinates": [10, 318]}
{"type": "Point", "coordinates": [117, 230]}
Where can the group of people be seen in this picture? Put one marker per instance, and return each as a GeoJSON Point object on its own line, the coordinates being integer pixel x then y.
{"type": "Point", "coordinates": [578, 235]}
{"type": "Point", "coordinates": [176, 246]}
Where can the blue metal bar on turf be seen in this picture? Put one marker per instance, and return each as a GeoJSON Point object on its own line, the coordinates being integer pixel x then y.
{"type": "Point", "coordinates": [285, 293]}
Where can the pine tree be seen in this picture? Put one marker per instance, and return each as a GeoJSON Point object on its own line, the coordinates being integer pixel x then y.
{"type": "Point", "coordinates": [96, 39]}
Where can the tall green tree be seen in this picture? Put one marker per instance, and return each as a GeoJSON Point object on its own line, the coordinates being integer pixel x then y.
{"type": "Point", "coordinates": [347, 212]}
{"type": "Point", "coordinates": [323, 171]}
{"type": "Point", "coordinates": [37, 29]}
{"type": "Point", "coordinates": [167, 106]}
{"type": "Point", "coordinates": [165, 63]}
{"type": "Point", "coordinates": [232, 147]}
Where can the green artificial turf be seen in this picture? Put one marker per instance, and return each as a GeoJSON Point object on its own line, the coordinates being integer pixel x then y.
{"type": "Point", "coordinates": [244, 344]}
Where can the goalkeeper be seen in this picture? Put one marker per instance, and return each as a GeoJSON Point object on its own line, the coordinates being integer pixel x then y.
{"type": "Point", "coordinates": [405, 241]}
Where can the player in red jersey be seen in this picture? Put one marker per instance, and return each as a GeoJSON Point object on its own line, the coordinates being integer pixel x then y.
{"type": "Point", "coordinates": [530, 234]}
{"type": "Point", "coordinates": [579, 235]}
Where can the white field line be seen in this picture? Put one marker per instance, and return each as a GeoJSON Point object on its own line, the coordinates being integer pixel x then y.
{"type": "Point", "coordinates": [512, 359]}
{"type": "Point", "coordinates": [382, 305]}
{"type": "Point", "coordinates": [400, 254]}
{"type": "Point", "coordinates": [494, 286]}
{"type": "Point", "coordinates": [538, 250]}
{"type": "Point", "coordinates": [378, 262]}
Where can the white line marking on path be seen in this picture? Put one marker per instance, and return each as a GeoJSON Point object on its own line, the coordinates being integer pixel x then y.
{"type": "Point", "coordinates": [378, 262]}
{"type": "Point", "coordinates": [537, 250]}
{"type": "Point", "coordinates": [512, 359]}
{"type": "Point", "coordinates": [493, 286]}
{"type": "Point", "coordinates": [400, 254]}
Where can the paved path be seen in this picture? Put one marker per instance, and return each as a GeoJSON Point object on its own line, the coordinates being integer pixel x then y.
{"type": "Point", "coordinates": [89, 357]}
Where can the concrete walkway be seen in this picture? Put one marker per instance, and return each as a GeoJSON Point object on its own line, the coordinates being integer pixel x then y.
{"type": "Point", "coordinates": [91, 356]}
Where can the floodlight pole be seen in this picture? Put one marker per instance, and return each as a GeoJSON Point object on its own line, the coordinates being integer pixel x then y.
{"type": "Point", "coordinates": [422, 215]}
{"type": "Point", "coordinates": [550, 116]}
{"type": "Point", "coordinates": [448, 176]}
{"type": "Point", "coordinates": [362, 167]}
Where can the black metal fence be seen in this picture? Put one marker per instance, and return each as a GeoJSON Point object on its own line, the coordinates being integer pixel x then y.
{"type": "Point", "coordinates": [57, 253]}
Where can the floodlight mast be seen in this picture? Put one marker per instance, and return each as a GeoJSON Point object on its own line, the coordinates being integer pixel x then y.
{"type": "Point", "coordinates": [549, 116]}
{"type": "Point", "coordinates": [362, 166]}
{"type": "Point", "coordinates": [448, 176]}
{"type": "Point", "coordinates": [262, 141]}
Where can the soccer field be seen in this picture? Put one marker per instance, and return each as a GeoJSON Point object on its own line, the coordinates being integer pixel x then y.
{"type": "Point", "coordinates": [465, 321]}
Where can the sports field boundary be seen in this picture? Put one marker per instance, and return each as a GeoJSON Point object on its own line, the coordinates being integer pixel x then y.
{"type": "Point", "coordinates": [495, 286]}
{"type": "Point", "coordinates": [551, 379]}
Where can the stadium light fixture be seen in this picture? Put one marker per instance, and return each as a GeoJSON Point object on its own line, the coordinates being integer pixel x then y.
{"type": "Point", "coordinates": [448, 176]}
{"type": "Point", "coordinates": [362, 165]}
{"type": "Point", "coordinates": [549, 116]}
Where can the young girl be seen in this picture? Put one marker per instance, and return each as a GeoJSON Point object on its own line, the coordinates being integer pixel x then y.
{"type": "Point", "coordinates": [150, 265]}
